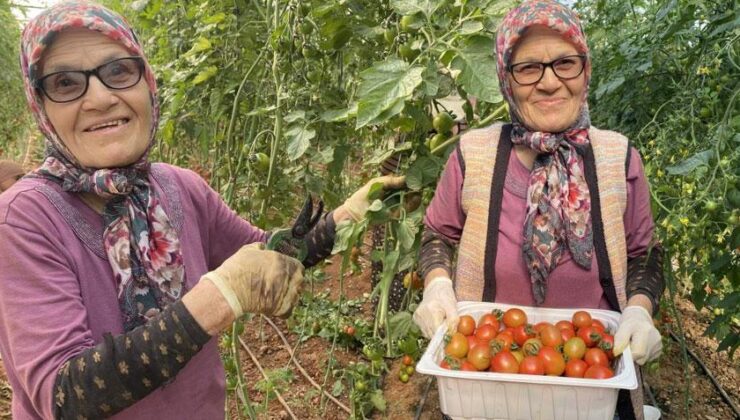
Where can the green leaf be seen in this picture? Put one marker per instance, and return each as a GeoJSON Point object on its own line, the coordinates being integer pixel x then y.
{"type": "Point", "coordinates": [299, 139]}
{"type": "Point", "coordinates": [204, 75]}
{"type": "Point", "coordinates": [471, 27]}
{"type": "Point", "coordinates": [343, 235]}
{"type": "Point", "coordinates": [217, 18]}
{"type": "Point", "coordinates": [431, 79]}
{"type": "Point", "coordinates": [378, 401]}
{"type": "Point", "coordinates": [375, 205]}
{"type": "Point", "coordinates": [693, 162]}
{"type": "Point", "coordinates": [400, 324]}
{"type": "Point", "coordinates": [422, 172]}
{"type": "Point", "coordinates": [412, 7]}
{"type": "Point", "coordinates": [477, 69]}
{"type": "Point", "coordinates": [295, 116]}
{"type": "Point", "coordinates": [201, 44]}
{"type": "Point", "coordinates": [407, 233]}
{"type": "Point", "coordinates": [339, 115]}
{"type": "Point", "coordinates": [338, 388]}
{"type": "Point", "coordinates": [384, 89]}
{"type": "Point", "coordinates": [335, 33]}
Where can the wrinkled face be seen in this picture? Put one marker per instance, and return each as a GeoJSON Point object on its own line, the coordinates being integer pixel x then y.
{"type": "Point", "coordinates": [105, 128]}
{"type": "Point", "coordinates": [552, 104]}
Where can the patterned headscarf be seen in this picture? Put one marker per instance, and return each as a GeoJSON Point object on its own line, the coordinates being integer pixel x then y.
{"type": "Point", "coordinates": [142, 245]}
{"type": "Point", "coordinates": [558, 200]}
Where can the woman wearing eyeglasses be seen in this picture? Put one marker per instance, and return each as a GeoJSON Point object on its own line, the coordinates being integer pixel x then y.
{"type": "Point", "coordinates": [117, 273]}
{"type": "Point", "coordinates": [548, 210]}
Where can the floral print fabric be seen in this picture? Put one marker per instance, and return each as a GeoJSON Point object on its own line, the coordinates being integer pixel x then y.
{"type": "Point", "coordinates": [142, 245]}
{"type": "Point", "coordinates": [558, 200]}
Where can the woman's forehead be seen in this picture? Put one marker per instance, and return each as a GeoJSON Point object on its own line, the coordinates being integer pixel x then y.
{"type": "Point", "coordinates": [76, 48]}
{"type": "Point", "coordinates": [540, 42]}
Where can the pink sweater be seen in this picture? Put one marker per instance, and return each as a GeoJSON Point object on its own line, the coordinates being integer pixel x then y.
{"type": "Point", "coordinates": [569, 285]}
{"type": "Point", "coordinates": [58, 297]}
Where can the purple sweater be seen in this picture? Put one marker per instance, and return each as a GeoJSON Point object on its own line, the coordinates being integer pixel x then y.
{"type": "Point", "coordinates": [58, 296]}
{"type": "Point", "coordinates": [569, 285]}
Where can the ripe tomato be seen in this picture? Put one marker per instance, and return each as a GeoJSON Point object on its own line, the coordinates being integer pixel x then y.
{"type": "Point", "coordinates": [565, 324]}
{"type": "Point", "coordinates": [450, 362]}
{"type": "Point", "coordinates": [575, 368]}
{"type": "Point", "coordinates": [540, 325]}
{"type": "Point", "coordinates": [349, 330]}
{"type": "Point", "coordinates": [485, 332]}
{"type": "Point", "coordinates": [480, 357]}
{"type": "Point", "coordinates": [466, 326]}
{"type": "Point", "coordinates": [581, 319]}
{"type": "Point", "coordinates": [407, 360]}
{"type": "Point", "coordinates": [504, 362]}
{"type": "Point", "coordinates": [598, 372]}
{"type": "Point", "coordinates": [503, 341]}
{"type": "Point", "coordinates": [553, 361]}
{"type": "Point", "coordinates": [532, 346]}
{"type": "Point", "coordinates": [566, 334]}
{"type": "Point", "coordinates": [595, 323]}
{"type": "Point", "coordinates": [458, 346]}
{"type": "Point", "coordinates": [532, 365]}
{"type": "Point", "coordinates": [590, 335]}
{"type": "Point", "coordinates": [472, 341]}
{"type": "Point", "coordinates": [467, 366]}
{"type": "Point", "coordinates": [514, 317]}
{"type": "Point", "coordinates": [574, 348]}
{"type": "Point", "coordinates": [596, 356]}
{"type": "Point", "coordinates": [489, 319]}
{"type": "Point", "coordinates": [607, 344]}
{"type": "Point", "coordinates": [523, 333]}
{"type": "Point", "coordinates": [551, 336]}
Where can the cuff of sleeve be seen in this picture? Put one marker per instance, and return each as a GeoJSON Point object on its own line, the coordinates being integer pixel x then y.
{"type": "Point", "coordinates": [199, 336]}
{"type": "Point", "coordinates": [227, 293]}
{"type": "Point", "coordinates": [647, 293]}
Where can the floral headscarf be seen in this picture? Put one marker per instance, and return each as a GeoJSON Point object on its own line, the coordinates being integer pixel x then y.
{"type": "Point", "coordinates": [142, 245]}
{"type": "Point", "coordinates": [558, 200]}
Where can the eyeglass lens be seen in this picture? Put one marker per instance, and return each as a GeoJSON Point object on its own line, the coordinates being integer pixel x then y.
{"type": "Point", "coordinates": [65, 86]}
{"type": "Point", "coordinates": [565, 68]}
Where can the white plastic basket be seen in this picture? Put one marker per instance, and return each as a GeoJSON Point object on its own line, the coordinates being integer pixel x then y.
{"type": "Point", "coordinates": [487, 395]}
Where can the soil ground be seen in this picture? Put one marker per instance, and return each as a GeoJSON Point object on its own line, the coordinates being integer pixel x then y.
{"type": "Point", "coordinates": [667, 380]}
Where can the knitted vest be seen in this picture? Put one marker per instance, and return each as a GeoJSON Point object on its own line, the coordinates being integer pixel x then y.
{"type": "Point", "coordinates": [486, 160]}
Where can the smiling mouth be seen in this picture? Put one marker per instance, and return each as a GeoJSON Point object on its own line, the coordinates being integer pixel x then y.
{"type": "Point", "coordinates": [107, 124]}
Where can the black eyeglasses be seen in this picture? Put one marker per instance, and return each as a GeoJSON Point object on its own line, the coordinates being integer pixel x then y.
{"type": "Point", "coordinates": [70, 85]}
{"type": "Point", "coordinates": [565, 68]}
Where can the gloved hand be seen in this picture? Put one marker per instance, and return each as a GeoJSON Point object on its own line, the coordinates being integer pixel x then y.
{"type": "Point", "coordinates": [258, 281]}
{"type": "Point", "coordinates": [357, 204]}
{"type": "Point", "coordinates": [438, 305]}
{"type": "Point", "coordinates": [636, 328]}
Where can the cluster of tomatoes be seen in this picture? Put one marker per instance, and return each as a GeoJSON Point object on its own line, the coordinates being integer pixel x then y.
{"type": "Point", "coordinates": [408, 367]}
{"type": "Point", "coordinates": [505, 342]}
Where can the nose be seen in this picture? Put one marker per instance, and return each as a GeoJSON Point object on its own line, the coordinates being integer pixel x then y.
{"type": "Point", "coordinates": [98, 96]}
{"type": "Point", "coordinates": [549, 80]}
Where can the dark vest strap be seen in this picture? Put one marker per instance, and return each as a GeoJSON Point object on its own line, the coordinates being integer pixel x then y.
{"type": "Point", "coordinates": [494, 213]}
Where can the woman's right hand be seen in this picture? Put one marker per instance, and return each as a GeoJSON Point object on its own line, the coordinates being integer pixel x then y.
{"type": "Point", "coordinates": [255, 280]}
{"type": "Point", "coordinates": [438, 305]}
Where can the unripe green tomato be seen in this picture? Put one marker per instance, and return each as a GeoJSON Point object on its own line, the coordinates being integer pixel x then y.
{"type": "Point", "coordinates": [407, 53]}
{"type": "Point", "coordinates": [403, 376]}
{"type": "Point", "coordinates": [360, 386]}
{"type": "Point", "coordinates": [407, 22]}
{"type": "Point", "coordinates": [306, 28]}
{"type": "Point", "coordinates": [443, 122]}
{"type": "Point", "coordinates": [389, 35]}
{"type": "Point", "coordinates": [705, 112]}
{"type": "Point", "coordinates": [437, 140]}
{"type": "Point", "coordinates": [710, 206]}
{"type": "Point", "coordinates": [313, 76]}
{"type": "Point", "coordinates": [309, 52]}
{"type": "Point", "coordinates": [261, 162]}
{"type": "Point", "coordinates": [410, 370]}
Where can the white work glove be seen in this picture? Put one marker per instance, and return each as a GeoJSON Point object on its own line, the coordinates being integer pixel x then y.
{"type": "Point", "coordinates": [357, 204]}
{"type": "Point", "coordinates": [437, 306]}
{"type": "Point", "coordinates": [637, 330]}
{"type": "Point", "coordinates": [255, 280]}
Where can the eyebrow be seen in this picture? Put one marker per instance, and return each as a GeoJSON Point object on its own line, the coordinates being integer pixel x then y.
{"type": "Point", "coordinates": [557, 57]}
{"type": "Point", "coordinates": [65, 67]}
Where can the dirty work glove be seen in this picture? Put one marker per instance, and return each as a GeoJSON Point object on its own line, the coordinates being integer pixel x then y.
{"type": "Point", "coordinates": [357, 204]}
{"type": "Point", "coordinates": [255, 280]}
{"type": "Point", "coordinates": [437, 306]}
{"type": "Point", "coordinates": [636, 328]}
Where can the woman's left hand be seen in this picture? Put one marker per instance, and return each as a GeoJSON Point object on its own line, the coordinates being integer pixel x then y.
{"type": "Point", "coordinates": [357, 204]}
{"type": "Point", "coordinates": [637, 330]}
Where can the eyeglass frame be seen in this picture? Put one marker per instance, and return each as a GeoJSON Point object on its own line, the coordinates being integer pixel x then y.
{"type": "Point", "coordinates": [545, 65]}
{"type": "Point", "coordinates": [138, 59]}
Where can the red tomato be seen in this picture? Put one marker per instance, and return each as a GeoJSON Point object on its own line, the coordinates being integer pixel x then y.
{"type": "Point", "coordinates": [514, 317]}
{"type": "Point", "coordinates": [598, 372]}
{"type": "Point", "coordinates": [581, 319]}
{"type": "Point", "coordinates": [598, 325]}
{"type": "Point", "coordinates": [574, 348]}
{"type": "Point", "coordinates": [540, 325]}
{"type": "Point", "coordinates": [466, 326]}
{"type": "Point", "coordinates": [457, 346]}
{"type": "Point", "coordinates": [575, 368]}
{"type": "Point", "coordinates": [472, 341]}
{"type": "Point", "coordinates": [485, 332]}
{"type": "Point", "coordinates": [407, 360]}
{"type": "Point", "coordinates": [532, 346]}
{"type": "Point", "coordinates": [565, 324]}
{"type": "Point", "coordinates": [504, 362]}
{"type": "Point", "coordinates": [551, 336]}
{"type": "Point", "coordinates": [596, 356]}
{"type": "Point", "coordinates": [590, 335]}
{"type": "Point", "coordinates": [480, 357]}
{"type": "Point", "coordinates": [553, 361]}
{"type": "Point", "coordinates": [502, 342]}
{"type": "Point", "coordinates": [450, 362]}
{"type": "Point", "coordinates": [467, 366]}
{"type": "Point", "coordinates": [566, 334]}
{"type": "Point", "coordinates": [532, 365]}
{"type": "Point", "coordinates": [523, 333]}
{"type": "Point", "coordinates": [489, 319]}
{"type": "Point", "coordinates": [607, 344]}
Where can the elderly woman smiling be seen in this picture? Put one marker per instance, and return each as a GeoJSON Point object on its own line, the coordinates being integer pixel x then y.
{"type": "Point", "coordinates": [116, 273]}
{"type": "Point", "coordinates": [548, 210]}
